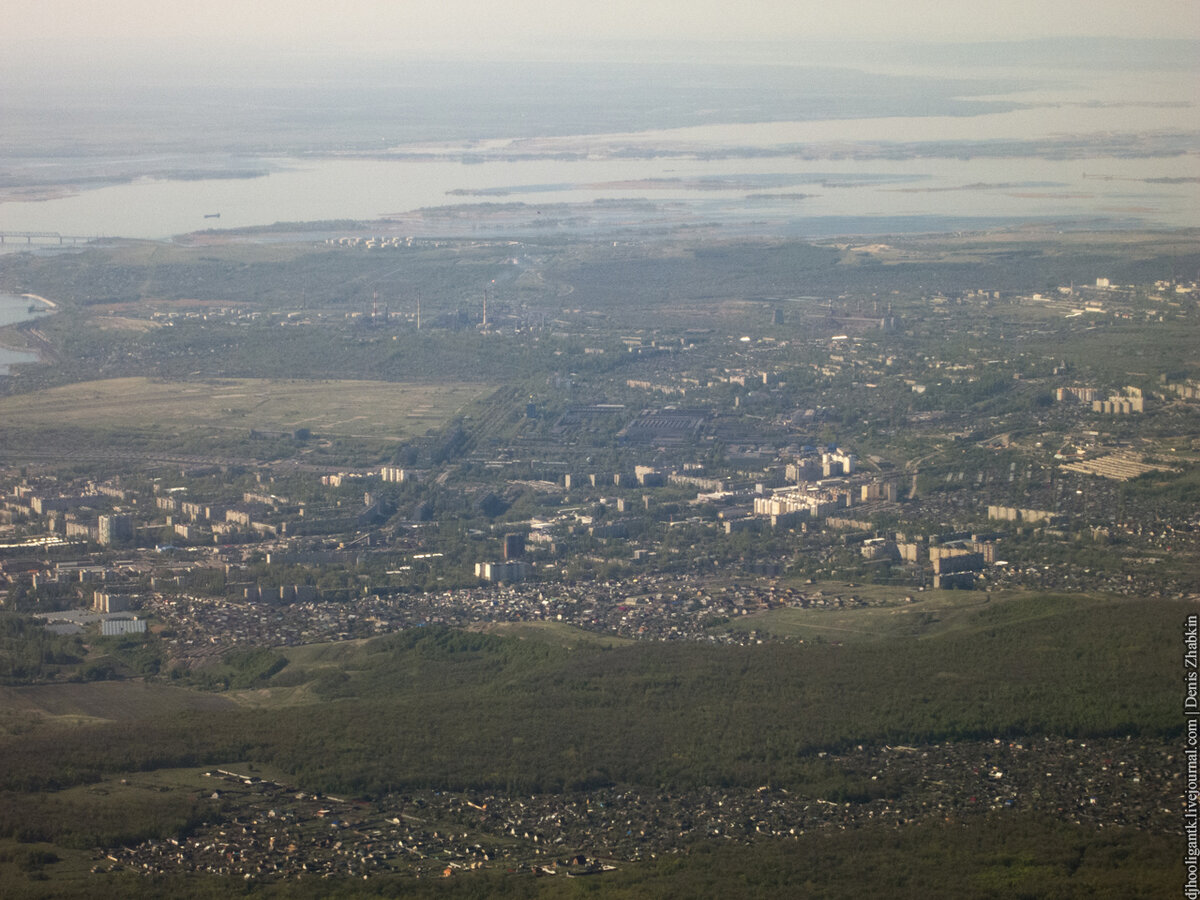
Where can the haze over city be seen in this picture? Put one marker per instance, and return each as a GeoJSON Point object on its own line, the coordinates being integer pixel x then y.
{"type": "Point", "coordinates": [462, 27]}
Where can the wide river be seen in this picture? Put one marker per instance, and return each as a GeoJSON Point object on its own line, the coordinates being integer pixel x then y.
{"type": "Point", "coordinates": [813, 177]}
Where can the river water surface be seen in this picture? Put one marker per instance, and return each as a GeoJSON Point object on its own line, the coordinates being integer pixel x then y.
{"type": "Point", "coordinates": [1111, 151]}
{"type": "Point", "coordinates": [15, 309]}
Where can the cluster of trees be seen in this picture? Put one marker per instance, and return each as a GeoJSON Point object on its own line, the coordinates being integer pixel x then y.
{"type": "Point", "coordinates": [85, 819]}
{"type": "Point", "coordinates": [28, 652]}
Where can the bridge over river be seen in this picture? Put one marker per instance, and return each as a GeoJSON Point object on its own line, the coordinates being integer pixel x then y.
{"type": "Point", "coordinates": [44, 236]}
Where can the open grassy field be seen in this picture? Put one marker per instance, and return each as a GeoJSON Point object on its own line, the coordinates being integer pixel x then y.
{"type": "Point", "coordinates": [90, 702]}
{"type": "Point", "coordinates": [361, 409]}
{"type": "Point", "coordinates": [557, 633]}
{"type": "Point", "coordinates": [930, 614]}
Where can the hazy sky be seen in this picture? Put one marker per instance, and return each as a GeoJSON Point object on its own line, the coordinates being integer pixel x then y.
{"type": "Point", "coordinates": [32, 26]}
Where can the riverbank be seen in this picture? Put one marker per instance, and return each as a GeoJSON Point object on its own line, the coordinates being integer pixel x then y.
{"type": "Point", "coordinates": [49, 303]}
{"type": "Point", "coordinates": [22, 345]}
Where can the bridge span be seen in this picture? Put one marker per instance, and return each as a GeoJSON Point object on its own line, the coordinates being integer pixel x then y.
{"type": "Point", "coordinates": [46, 236]}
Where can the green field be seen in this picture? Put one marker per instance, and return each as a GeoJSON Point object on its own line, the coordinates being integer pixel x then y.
{"type": "Point", "coordinates": [357, 409]}
{"type": "Point", "coordinates": [558, 633]}
{"type": "Point", "coordinates": [927, 614]}
{"type": "Point", "coordinates": [128, 699]}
